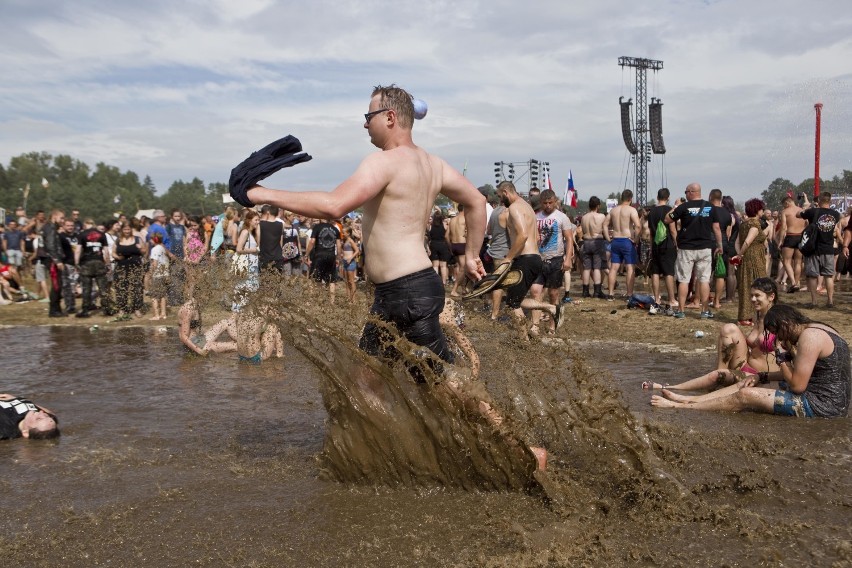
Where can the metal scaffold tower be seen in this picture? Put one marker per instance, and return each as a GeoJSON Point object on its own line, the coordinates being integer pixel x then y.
{"type": "Point", "coordinates": [640, 147]}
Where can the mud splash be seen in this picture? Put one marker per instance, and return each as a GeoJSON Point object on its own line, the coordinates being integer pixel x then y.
{"type": "Point", "coordinates": [172, 460]}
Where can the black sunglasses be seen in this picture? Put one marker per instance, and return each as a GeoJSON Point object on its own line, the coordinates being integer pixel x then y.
{"type": "Point", "coordinates": [369, 116]}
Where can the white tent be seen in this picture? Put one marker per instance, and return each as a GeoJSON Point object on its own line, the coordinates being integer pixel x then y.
{"type": "Point", "coordinates": [145, 212]}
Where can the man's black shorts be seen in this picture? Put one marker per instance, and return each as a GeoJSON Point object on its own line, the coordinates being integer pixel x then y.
{"type": "Point", "coordinates": [531, 266]}
{"type": "Point", "coordinates": [413, 304]}
{"type": "Point", "coordinates": [791, 241]}
{"type": "Point", "coordinates": [551, 274]}
{"type": "Point", "coordinates": [663, 260]}
{"type": "Point", "coordinates": [324, 268]}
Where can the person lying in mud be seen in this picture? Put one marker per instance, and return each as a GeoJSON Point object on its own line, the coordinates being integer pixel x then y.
{"type": "Point", "coordinates": [738, 356]}
{"type": "Point", "coordinates": [258, 338]}
{"type": "Point", "coordinates": [814, 379]}
{"type": "Point", "coordinates": [199, 341]}
{"type": "Point", "coordinates": [21, 418]}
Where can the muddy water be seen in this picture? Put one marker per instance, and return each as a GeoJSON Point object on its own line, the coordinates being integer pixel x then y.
{"type": "Point", "coordinates": [168, 459]}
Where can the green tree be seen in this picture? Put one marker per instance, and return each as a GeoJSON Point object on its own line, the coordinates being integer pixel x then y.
{"type": "Point", "coordinates": [775, 192]}
{"type": "Point", "coordinates": [187, 196]}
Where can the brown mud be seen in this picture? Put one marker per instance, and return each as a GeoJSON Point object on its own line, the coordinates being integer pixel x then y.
{"type": "Point", "coordinates": [421, 479]}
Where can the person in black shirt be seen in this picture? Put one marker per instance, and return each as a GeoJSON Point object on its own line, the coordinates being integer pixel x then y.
{"type": "Point", "coordinates": [821, 263]}
{"type": "Point", "coordinates": [68, 237]}
{"type": "Point", "coordinates": [94, 256]}
{"type": "Point", "coordinates": [20, 418]}
{"type": "Point", "coordinates": [52, 258]}
{"type": "Point", "coordinates": [695, 243]}
{"type": "Point", "coordinates": [664, 254]}
{"type": "Point", "coordinates": [725, 225]}
{"type": "Point", "coordinates": [271, 255]}
{"type": "Point", "coordinates": [323, 250]}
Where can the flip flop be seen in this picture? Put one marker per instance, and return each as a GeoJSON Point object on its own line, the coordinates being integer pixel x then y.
{"type": "Point", "coordinates": [489, 282]}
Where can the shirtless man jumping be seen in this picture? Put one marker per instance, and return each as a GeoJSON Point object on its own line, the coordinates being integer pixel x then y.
{"type": "Point", "coordinates": [524, 255]}
{"type": "Point", "coordinates": [397, 188]}
{"type": "Point", "coordinates": [625, 223]}
{"type": "Point", "coordinates": [791, 228]}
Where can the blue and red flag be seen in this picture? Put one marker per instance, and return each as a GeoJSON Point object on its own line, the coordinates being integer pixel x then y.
{"type": "Point", "coordinates": [570, 198]}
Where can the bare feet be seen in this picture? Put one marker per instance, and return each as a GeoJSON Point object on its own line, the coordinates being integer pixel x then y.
{"type": "Point", "coordinates": [540, 456]}
{"type": "Point", "coordinates": [677, 397]}
{"type": "Point", "coordinates": [662, 402]}
{"type": "Point", "coordinates": [491, 416]}
{"type": "Point", "coordinates": [651, 385]}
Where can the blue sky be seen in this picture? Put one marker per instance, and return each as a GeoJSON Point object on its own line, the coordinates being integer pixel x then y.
{"type": "Point", "coordinates": [177, 90]}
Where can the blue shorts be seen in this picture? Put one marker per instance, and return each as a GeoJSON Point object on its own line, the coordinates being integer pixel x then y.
{"type": "Point", "coordinates": [254, 359]}
{"type": "Point", "coordinates": [622, 251]}
{"type": "Point", "coordinates": [791, 404]}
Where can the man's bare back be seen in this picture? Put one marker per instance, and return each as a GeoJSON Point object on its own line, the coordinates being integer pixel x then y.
{"type": "Point", "coordinates": [624, 221]}
{"type": "Point", "coordinates": [522, 225]}
{"type": "Point", "coordinates": [592, 225]}
{"type": "Point", "coordinates": [789, 223]}
{"type": "Point", "coordinates": [458, 228]}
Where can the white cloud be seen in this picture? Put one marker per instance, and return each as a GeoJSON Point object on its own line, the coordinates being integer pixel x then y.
{"type": "Point", "coordinates": [184, 89]}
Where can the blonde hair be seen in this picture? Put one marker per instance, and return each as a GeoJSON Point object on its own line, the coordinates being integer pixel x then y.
{"type": "Point", "coordinates": [398, 100]}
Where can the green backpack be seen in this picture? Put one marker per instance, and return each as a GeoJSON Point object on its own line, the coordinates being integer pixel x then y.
{"type": "Point", "coordinates": [661, 234]}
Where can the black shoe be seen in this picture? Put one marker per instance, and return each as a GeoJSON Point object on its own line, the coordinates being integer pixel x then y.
{"type": "Point", "coordinates": [56, 315]}
{"type": "Point", "coordinates": [71, 311]}
{"type": "Point", "coordinates": [108, 312]}
{"type": "Point", "coordinates": [601, 296]}
{"type": "Point", "coordinates": [84, 314]}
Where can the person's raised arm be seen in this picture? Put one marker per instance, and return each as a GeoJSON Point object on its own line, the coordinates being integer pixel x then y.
{"type": "Point", "coordinates": [371, 177]}
{"type": "Point", "coordinates": [812, 344]}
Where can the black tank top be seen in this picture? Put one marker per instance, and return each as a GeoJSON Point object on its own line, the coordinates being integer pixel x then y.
{"type": "Point", "coordinates": [131, 254]}
{"type": "Point", "coordinates": [437, 233]}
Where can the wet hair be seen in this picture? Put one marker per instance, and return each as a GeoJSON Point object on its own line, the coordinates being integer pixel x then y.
{"type": "Point", "coordinates": [663, 194]}
{"type": "Point", "coordinates": [626, 195]}
{"type": "Point", "coordinates": [768, 286]}
{"type": "Point", "coordinates": [548, 194]}
{"type": "Point", "coordinates": [507, 186]}
{"type": "Point", "coordinates": [398, 100]}
{"type": "Point", "coordinates": [594, 202]}
{"type": "Point", "coordinates": [45, 434]}
{"type": "Point", "coordinates": [728, 203]}
{"type": "Point", "coordinates": [753, 207]}
{"type": "Point", "coordinates": [782, 317]}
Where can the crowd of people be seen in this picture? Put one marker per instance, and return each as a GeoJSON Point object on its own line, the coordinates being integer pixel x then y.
{"type": "Point", "coordinates": [705, 252]}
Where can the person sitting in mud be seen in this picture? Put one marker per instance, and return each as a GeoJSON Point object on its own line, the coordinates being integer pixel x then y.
{"type": "Point", "coordinates": [814, 377]}
{"type": "Point", "coordinates": [10, 284]}
{"type": "Point", "coordinates": [199, 341]}
{"type": "Point", "coordinates": [257, 338]}
{"type": "Point", "coordinates": [20, 418]}
{"type": "Point", "coordinates": [738, 356]}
